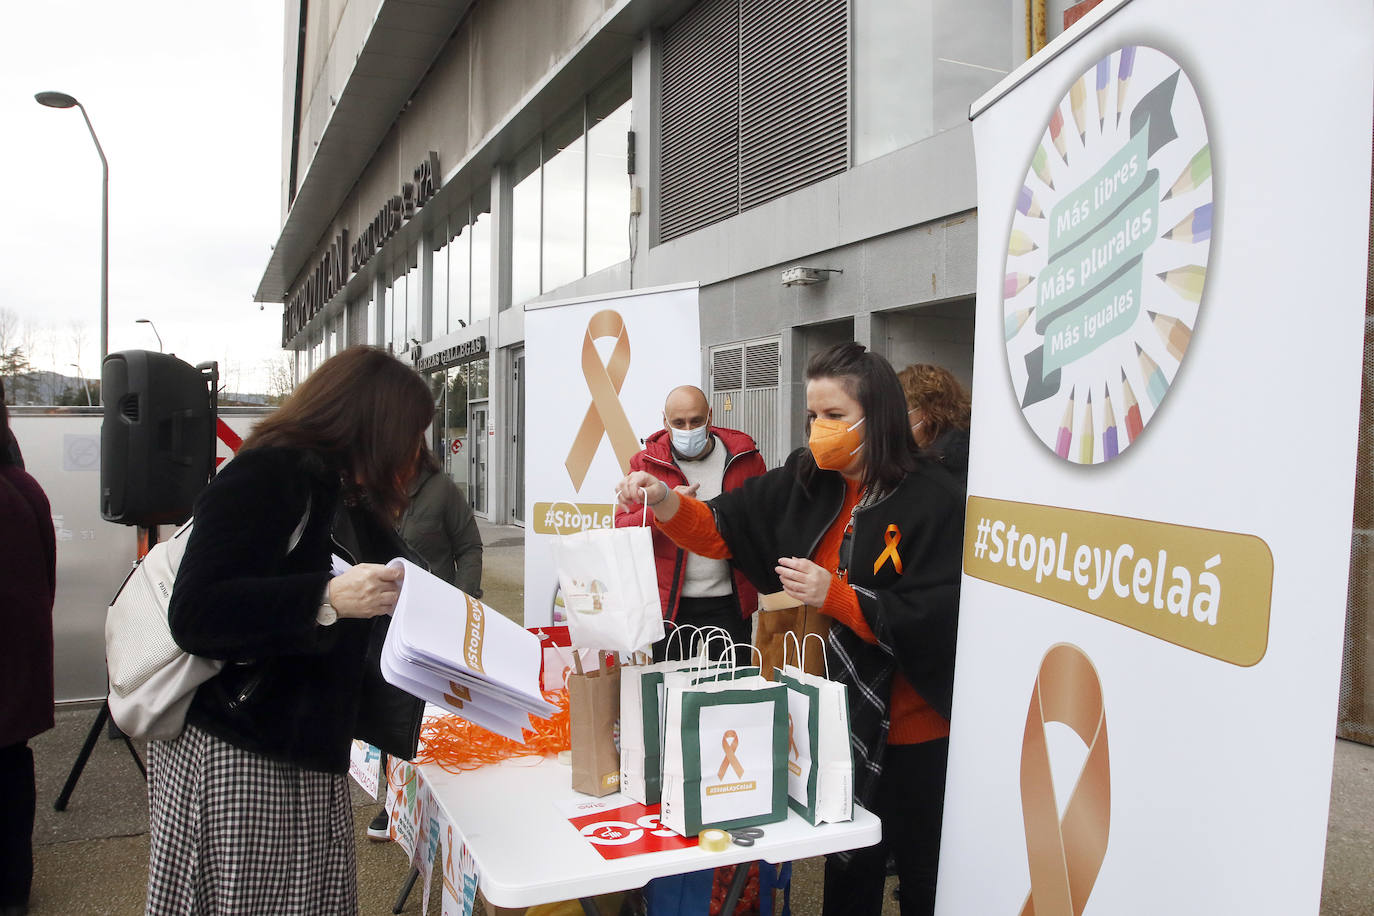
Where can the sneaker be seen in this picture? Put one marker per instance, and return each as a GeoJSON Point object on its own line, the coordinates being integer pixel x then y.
{"type": "Point", "coordinates": [380, 828]}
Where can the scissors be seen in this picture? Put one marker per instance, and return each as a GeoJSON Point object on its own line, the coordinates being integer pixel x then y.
{"type": "Point", "coordinates": [745, 836]}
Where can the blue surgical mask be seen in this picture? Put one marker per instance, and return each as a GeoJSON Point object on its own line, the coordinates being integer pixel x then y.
{"type": "Point", "coordinates": [690, 443]}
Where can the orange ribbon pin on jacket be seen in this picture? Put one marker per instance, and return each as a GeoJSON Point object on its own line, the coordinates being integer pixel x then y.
{"type": "Point", "coordinates": [893, 537]}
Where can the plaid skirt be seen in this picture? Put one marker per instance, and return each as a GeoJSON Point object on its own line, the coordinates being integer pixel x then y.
{"type": "Point", "coordinates": [234, 832]}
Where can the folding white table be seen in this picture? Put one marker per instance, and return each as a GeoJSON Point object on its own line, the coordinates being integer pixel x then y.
{"type": "Point", "coordinates": [527, 852]}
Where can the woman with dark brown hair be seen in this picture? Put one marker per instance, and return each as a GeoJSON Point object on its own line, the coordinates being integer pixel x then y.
{"type": "Point", "coordinates": [939, 410]}
{"type": "Point", "coordinates": [863, 527]}
{"type": "Point", "coordinates": [249, 807]}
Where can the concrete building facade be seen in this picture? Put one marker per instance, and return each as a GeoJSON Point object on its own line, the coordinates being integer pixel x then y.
{"type": "Point", "coordinates": [445, 162]}
{"type": "Point", "coordinates": [808, 164]}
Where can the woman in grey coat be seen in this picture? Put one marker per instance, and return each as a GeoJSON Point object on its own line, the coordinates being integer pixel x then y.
{"type": "Point", "coordinates": [439, 525]}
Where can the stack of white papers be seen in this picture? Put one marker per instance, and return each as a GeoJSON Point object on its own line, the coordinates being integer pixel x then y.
{"type": "Point", "coordinates": [448, 648]}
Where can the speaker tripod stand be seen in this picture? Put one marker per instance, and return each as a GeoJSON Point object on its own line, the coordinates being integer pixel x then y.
{"type": "Point", "coordinates": [91, 736]}
{"type": "Point", "coordinates": [147, 537]}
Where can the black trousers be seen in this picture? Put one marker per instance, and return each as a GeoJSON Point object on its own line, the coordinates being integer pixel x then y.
{"type": "Point", "coordinates": [17, 800]}
{"type": "Point", "coordinates": [910, 803]}
{"type": "Point", "coordinates": [721, 611]}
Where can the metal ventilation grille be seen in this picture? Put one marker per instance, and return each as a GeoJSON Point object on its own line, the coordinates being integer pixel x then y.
{"type": "Point", "coordinates": [699, 171]}
{"type": "Point", "coordinates": [761, 365]}
{"type": "Point", "coordinates": [755, 102]}
{"type": "Point", "coordinates": [794, 95]}
{"type": "Point", "coordinates": [725, 369]}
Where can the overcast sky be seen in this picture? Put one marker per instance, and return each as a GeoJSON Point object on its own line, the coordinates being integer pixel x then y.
{"type": "Point", "coordinates": [186, 98]}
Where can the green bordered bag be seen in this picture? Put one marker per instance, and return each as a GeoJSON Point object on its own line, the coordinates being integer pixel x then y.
{"type": "Point", "coordinates": [724, 758]}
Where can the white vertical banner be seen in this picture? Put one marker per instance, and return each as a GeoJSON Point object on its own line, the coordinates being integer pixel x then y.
{"type": "Point", "coordinates": [1173, 208]}
{"type": "Point", "coordinates": [598, 371]}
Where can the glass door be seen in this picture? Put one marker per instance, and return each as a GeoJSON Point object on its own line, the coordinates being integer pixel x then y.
{"type": "Point", "coordinates": [517, 504]}
{"type": "Point", "coordinates": [477, 457]}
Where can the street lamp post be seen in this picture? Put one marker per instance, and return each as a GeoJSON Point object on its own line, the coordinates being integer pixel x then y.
{"type": "Point", "coordinates": [62, 100]}
{"type": "Point", "coordinates": [150, 324]}
{"type": "Point", "coordinates": [80, 380]}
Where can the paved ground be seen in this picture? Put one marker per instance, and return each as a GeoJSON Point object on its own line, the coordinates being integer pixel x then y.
{"type": "Point", "coordinates": [92, 858]}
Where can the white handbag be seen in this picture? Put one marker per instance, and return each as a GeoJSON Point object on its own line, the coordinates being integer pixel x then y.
{"type": "Point", "coordinates": [152, 679]}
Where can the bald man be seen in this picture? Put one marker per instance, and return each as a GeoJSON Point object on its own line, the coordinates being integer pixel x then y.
{"type": "Point", "coordinates": [700, 460]}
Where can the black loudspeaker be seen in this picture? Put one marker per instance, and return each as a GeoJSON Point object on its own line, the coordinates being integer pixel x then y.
{"type": "Point", "coordinates": [157, 441]}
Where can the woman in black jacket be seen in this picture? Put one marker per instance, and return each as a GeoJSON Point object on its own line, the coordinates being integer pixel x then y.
{"type": "Point", "coordinates": [249, 807]}
{"type": "Point", "coordinates": [28, 583]}
{"type": "Point", "coordinates": [860, 525]}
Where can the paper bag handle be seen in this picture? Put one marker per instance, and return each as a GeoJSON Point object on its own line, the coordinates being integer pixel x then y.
{"type": "Point", "coordinates": [792, 635]}
{"type": "Point", "coordinates": [824, 658]}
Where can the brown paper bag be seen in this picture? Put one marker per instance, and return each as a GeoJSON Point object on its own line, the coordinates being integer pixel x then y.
{"type": "Point", "coordinates": [594, 720]}
{"type": "Point", "coordinates": [778, 615]}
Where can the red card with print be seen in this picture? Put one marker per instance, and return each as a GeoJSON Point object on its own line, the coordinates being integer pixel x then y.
{"type": "Point", "coordinates": [620, 827]}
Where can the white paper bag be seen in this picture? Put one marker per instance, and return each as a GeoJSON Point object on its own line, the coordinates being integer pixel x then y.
{"type": "Point", "coordinates": [610, 588]}
{"type": "Point", "coordinates": [724, 757]}
{"type": "Point", "coordinates": [641, 713]}
{"type": "Point", "coordinates": [820, 762]}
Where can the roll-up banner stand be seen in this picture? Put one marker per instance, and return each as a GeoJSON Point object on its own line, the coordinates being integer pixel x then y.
{"type": "Point", "coordinates": [598, 371]}
{"type": "Point", "coordinates": [1173, 210]}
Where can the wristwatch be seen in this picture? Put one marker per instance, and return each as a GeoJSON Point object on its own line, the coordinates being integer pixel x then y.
{"type": "Point", "coordinates": [326, 615]}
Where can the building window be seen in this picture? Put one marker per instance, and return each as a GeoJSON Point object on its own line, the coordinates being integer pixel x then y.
{"type": "Point", "coordinates": [755, 104]}
{"type": "Point", "coordinates": [462, 267]}
{"type": "Point", "coordinates": [526, 194]}
{"type": "Point", "coordinates": [570, 197]}
{"type": "Point", "coordinates": [480, 208]}
{"type": "Point", "coordinates": [918, 67]}
{"type": "Point", "coordinates": [608, 182]}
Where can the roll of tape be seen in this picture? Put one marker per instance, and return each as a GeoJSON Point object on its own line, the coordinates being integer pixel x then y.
{"type": "Point", "coordinates": [713, 840]}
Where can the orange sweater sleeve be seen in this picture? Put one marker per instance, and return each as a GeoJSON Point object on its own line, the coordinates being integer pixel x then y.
{"type": "Point", "coordinates": [843, 605]}
{"type": "Point", "coordinates": [693, 528]}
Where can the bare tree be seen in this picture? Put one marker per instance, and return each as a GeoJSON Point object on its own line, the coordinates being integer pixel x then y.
{"type": "Point", "coordinates": [229, 375]}
{"type": "Point", "coordinates": [9, 330]}
{"type": "Point", "coordinates": [13, 362]}
{"type": "Point", "coordinates": [280, 378]}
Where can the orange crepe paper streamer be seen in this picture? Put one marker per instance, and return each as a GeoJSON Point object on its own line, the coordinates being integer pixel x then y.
{"type": "Point", "coordinates": [455, 744]}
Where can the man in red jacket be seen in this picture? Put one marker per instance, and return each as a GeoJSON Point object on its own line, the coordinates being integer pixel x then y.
{"type": "Point", "coordinates": [700, 460]}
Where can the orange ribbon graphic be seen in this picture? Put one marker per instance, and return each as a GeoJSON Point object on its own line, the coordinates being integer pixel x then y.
{"type": "Point", "coordinates": [1065, 856]}
{"type": "Point", "coordinates": [893, 536]}
{"type": "Point", "coordinates": [459, 694]}
{"type": "Point", "coordinates": [791, 741]}
{"type": "Point", "coordinates": [730, 741]}
{"type": "Point", "coordinates": [605, 415]}
{"type": "Point", "coordinates": [448, 861]}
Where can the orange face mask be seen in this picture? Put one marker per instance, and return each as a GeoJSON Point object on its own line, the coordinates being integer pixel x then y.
{"type": "Point", "coordinates": [833, 444]}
